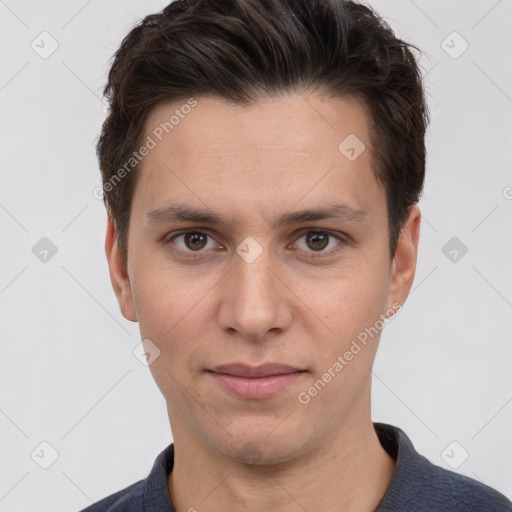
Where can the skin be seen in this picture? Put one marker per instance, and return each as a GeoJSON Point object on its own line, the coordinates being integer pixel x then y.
{"type": "Point", "coordinates": [251, 165]}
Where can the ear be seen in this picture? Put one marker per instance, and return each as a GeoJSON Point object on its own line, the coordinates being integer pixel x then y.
{"type": "Point", "coordinates": [403, 267]}
{"type": "Point", "coordinates": [118, 273]}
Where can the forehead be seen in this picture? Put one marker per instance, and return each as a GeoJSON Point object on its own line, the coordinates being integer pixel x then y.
{"type": "Point", "coordinates": [275, 152]}
{"type": "Point", "coordinates": [288, 122]}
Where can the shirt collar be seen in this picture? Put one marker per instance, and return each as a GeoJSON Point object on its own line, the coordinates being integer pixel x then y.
{"type": "Point", "coordinates": [155, 495]}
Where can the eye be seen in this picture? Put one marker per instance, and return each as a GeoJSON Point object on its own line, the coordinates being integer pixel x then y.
{"type": "Point", "coordinates": [192, 241]}
{"type": "Point", "coordinates": [316, 242]}
{"type": "Point", "coordinates": [319, 241]}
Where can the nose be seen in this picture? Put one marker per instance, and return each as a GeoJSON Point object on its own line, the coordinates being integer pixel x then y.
{"type": "Point", "coordinates": [255, 299]}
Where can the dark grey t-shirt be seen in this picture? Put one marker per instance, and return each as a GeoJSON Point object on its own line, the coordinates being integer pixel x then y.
{"type": "Point", "coordinates": [417, 485]}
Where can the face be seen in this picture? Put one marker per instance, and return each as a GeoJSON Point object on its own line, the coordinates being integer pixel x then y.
{"type": "Point", "coordinates": [256, 238]}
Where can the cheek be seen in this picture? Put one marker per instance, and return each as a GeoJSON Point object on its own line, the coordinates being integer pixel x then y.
{"type": "Point", "coordinates": [167, 312]}
{"type": "Point", "coordinates": [346, 356]}
{"type": "Point", "coordinates": [165, 298]}
{"type": "Point", "coordinates": [355, 301]}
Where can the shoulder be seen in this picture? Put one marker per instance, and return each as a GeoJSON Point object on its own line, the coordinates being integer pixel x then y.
{"type": "Point", "coordinates": [128, 499]}
{"type": "Point", "coordinates": [149, 492]}
{"type": "Point", "coordinates": [443, 490]}
{"type": "Point", "coordinates": [420, 485]}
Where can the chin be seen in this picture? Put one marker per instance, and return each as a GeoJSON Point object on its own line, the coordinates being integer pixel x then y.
{"type": "Point", "coordinates": [258, 450]}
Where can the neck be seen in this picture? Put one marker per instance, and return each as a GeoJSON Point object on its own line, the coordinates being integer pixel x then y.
{"type": "Point", "coordinates": [349, 471]}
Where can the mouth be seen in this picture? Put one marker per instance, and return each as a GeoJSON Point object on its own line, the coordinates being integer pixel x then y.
{"type": "Point", "coordinates": [256, 382]}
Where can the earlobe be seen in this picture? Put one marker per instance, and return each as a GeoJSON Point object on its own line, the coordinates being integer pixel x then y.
{"type": "Point", "coordinates": [403, 267]}
{"type": "Point", "coordinates": [118, 272]}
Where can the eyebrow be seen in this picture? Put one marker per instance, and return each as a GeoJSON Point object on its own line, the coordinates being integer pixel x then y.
{"type": "Point", "coordinates": [183, 212]}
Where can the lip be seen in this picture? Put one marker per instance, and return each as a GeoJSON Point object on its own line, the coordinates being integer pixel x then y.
{"type": "Point", "coordinates": [264, 370]}
{"type": "Point", "coordinates": [255, 382]}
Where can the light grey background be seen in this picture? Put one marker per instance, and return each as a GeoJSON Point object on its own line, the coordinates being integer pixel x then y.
{"type": "Point", "coordinates": [68, 373]}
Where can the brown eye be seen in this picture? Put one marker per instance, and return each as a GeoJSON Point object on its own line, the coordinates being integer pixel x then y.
{"type": "Point", "coordinates": [192, 241]}
{"type": "Point", "coordinates": [317, 240]}
{"type": "Point", "coordinates": [195, 240]}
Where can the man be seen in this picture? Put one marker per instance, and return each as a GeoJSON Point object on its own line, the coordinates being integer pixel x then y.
{"type": "Point", "coordinates": [262, 163]}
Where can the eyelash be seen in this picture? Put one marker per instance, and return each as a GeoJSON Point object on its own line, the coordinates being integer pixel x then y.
{"type": "Point", "coordinates": [198, 254]}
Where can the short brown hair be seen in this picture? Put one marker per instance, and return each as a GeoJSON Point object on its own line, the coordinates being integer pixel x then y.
{"type": "Point", "coordinates": [244, 50]}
